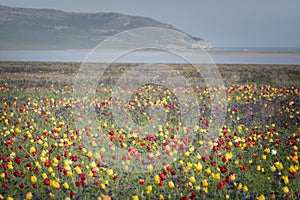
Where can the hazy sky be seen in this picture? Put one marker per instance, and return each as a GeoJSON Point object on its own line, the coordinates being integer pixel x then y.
{"type": "Point", "coordinates": [226, 23]}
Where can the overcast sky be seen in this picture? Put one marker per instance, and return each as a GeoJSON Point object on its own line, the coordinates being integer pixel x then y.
{"type": "Point", "coordinates": [225, 23]}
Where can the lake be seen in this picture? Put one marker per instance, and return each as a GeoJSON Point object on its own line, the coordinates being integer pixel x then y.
{"type": "Point", "coordinates": [218, 57]}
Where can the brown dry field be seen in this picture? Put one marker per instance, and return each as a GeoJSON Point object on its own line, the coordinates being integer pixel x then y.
{"type": "Point", "coordinates": [47, 73]}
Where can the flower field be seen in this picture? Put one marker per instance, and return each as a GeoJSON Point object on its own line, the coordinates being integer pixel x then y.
{"type": "Point", "coordinates": [255, 154]}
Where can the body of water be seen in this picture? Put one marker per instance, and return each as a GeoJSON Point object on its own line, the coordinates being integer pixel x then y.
{"type": "Point", "coordinates": [217, 56]}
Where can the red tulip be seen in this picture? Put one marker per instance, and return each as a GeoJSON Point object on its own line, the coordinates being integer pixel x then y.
{"type": "Point", "coordinates": [21, 185]}
{"type": "Point", "coordinates": [5, 184]}
{"type": "Point", "coordinates": [47, 181]}
{"type": "Point", "coordinates": [18, 160]}
{"type": "Point", "coordinates": [223, 169]}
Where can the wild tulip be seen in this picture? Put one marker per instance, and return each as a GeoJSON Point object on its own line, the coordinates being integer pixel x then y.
{"type": "Point", "coordinates": [171, 184]}
{"type": "Point", "coordinates": [47, 181]}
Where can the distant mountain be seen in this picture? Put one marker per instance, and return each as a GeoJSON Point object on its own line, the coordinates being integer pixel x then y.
{"type": "Point", "coordinates": [24, 28]}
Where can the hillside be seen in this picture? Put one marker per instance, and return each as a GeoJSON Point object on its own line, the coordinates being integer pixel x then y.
{"type": "Point", "coordinates": [24, 28]}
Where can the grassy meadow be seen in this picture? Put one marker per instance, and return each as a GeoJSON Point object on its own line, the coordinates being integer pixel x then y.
{"type": "Point", "coordinates": [254, 154]}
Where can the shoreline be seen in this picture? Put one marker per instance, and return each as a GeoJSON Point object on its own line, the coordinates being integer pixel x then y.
{"type": "Point", "coordinates": [252, 53]}
{"type": "Point", "coordinates": [139, 63]}
{"type": "Point", "coordinates": [210, 50]}
{"type": "Point", "coordinates": [205, 56]}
